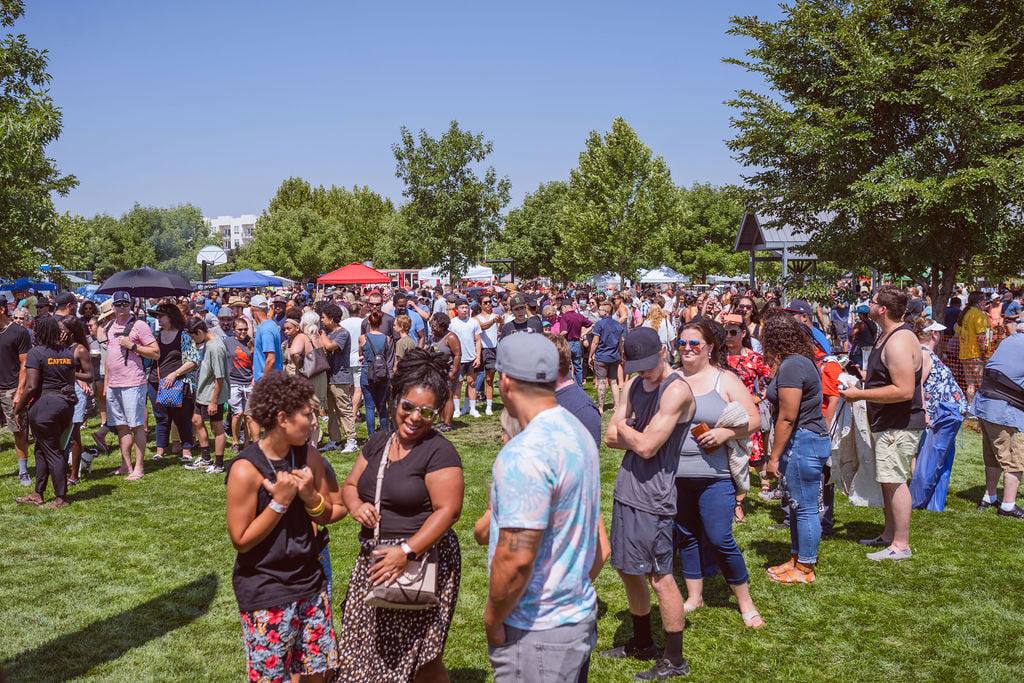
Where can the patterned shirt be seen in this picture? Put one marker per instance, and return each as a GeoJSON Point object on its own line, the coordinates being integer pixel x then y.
{"type": "Point", "coordinates": [755, 374]}
{"type": "Point", "coordinates": [941, 387]}
{"type": "Point", "coordinates": [547, 478]}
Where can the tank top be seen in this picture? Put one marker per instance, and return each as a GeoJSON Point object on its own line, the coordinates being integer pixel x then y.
{"type": "Point", "coordinates": [693, 461]}
{"type": "Point", "coordinates": [170, 357]}
{"type": "Point", "coordinates": [284, 567]}
{"type": "Point", "coordinates": [650, 484]}
{"type": "Point", "coordinates": [903, 415]}
{"type": "Point", "coordinates": [441, 346]}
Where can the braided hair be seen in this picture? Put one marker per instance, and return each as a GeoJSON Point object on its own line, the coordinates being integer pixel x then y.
{"type": "Point", "coordinates": [424, 368]}
{"type": "Point", "coordinates": [47, 333]}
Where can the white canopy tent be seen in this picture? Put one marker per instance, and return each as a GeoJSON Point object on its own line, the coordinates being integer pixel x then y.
{"type": "Point", "coordinates": [662, 275]}
{"type": "Point", "coordinates": [434, 276]}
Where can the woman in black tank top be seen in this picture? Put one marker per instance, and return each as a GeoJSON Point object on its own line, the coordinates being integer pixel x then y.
{"type": "Point", "coordinates": [277, 490]}
{"type": "Point", "coordinates": [171, 366]}
{"type": "Point", "coordinates": [51, 368]}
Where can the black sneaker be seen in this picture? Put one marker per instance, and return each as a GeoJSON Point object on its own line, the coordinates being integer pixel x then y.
{"type": "Point", "coordinates": [199, 463]}
{"type": "Point", "coordinates": [631, 651]}
{"type": "Point", "coordinates": [1017, 512]}
{"type": "Point", "coordinates": [985, 505]}
{"type": "Point", "coordinates": [663, 670]}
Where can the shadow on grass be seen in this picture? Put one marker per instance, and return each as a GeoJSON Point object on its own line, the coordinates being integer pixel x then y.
{"type": "Point", "coordinates": [75, 654]}
{"type": "Point", "coordinates": [97, 491]}
{"type": "Point", "coordinates": [776, 552]}
{"type": "Point", "coordinates": [151, 466]}
{"type": "Point", "coordinates": [972, 495]}
{"type": "Point", "coordinates": [467, 675]}
{"type": "Point", "coordinates": [854, 531]}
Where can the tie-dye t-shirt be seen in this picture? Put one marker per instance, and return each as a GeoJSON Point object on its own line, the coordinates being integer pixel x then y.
{"type": "Point", "coordinates": [547, 478]}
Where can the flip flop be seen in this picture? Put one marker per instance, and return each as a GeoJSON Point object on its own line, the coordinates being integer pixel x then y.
{"type": "Point", "coordinates": [30, 499]}
{"type": "Point", "coordinates": [749, 617]}
{"type": "Point", "coordinates": [688, 608]}
{"type": "Point", "coordinates": [134, 477]}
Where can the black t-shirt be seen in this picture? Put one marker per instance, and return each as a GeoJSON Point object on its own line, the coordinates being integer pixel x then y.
{"type": "Point", "coordinates": [532, 324]}
{"type": "Point", "coordinates": [56, 369]}
{"type": "Point", "coordinates": [404, 499]}
{"type": "Point", "coordinates": [800, 372]}
{"type": "Point", "coordinates": [387, 325]}
{"type": "Point", "coordinates": [14, 341]}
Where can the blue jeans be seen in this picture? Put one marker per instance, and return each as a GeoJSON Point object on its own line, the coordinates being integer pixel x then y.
{"type": "Point", "coordinates": [375, 398]}
{"type": "Point", "coordinates": [801, 466]}
{"type": "Point", "coordinates": [576, 348]}
{"type": "Point", "coordinates": [181, 416]}
{"type": "Point", "coordinates": [704, 513]}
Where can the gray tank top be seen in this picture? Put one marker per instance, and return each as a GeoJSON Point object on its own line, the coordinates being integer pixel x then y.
{"type": "Point", "coordinates": [693, 461]}
{"type": "Point", "coordinates": [650, 484]}
{"type": "Point", "coordinates": [441, 347]}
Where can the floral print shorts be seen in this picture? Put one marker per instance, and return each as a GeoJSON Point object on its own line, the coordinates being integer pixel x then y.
{"type": "Point", "coordinates": [297, 637]}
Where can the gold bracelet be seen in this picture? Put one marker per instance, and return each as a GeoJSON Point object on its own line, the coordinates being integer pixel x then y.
{"type": "Point", "coordinates": [318, 509]}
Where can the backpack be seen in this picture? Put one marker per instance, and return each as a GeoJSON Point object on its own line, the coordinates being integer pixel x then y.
{"type": "Point", "coordinates": [379, 369]}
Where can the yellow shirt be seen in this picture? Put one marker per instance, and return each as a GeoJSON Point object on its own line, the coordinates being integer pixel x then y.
{"type": "Point", "coordinates": [974, 323]}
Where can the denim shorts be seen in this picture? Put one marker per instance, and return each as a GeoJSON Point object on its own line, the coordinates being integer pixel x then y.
{"type": "Point", "coordinates": [126, 406]}
{"type": "Point", "coordinates": [81, 405]}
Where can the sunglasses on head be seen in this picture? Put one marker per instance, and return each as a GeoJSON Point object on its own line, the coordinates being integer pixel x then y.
{"type": "Point", "coordinates": [426, 412]}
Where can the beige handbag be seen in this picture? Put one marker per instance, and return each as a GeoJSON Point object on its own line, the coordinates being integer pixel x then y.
{"type": "Point", "coordinates": [416, 587]}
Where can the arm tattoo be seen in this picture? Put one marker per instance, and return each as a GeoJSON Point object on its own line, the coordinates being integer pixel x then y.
{"type": "Point", "coordinates": [516, 540]}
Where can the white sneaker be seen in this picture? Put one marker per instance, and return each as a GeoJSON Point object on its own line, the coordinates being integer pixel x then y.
{"type": "Point", "coordinates": [488, 411]}
{"type": "Point", "coordinates": [351, 446]}
{"type": "Point", "coordinates": [473, 412]}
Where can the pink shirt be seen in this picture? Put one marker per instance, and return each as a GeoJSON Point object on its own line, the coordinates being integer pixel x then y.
{"type": "Point", "coordinates": [130, 374]}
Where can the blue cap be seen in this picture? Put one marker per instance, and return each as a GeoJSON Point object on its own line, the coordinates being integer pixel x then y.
{"type": "Point", "coordinates": [120, 296]}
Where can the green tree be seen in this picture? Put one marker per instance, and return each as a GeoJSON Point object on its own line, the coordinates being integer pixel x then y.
{"type": "Point", "coordinates": [294, 242]}
{"type": "Point", "coordinates": [891, 132]}
{"type": "Point", "coordinates": [620, 196]}
{"type": "Point", "coordinates": [699, 241]}
{"type": "Point", "coordinates": [399, 244]}
{"type": "Point", "coordinates": [176, 235]}
{"type": "Point", "coordinates": [532, 235]}
{"type": "Point", "coordinates": [29, 121]}
{"type": "Point", "coordinates": [453, 208]}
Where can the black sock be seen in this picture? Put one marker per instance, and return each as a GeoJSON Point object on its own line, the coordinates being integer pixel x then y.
{"type": "Point", "coordinates": [642, 630]}
{"type": "Point", "coordinates": [674, 647]}
{"type": "Point", "coordinates": [204, 453]}
{"type": "Point", "coordinates": [220, 460]}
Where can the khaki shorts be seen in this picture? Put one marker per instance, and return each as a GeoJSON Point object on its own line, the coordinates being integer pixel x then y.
{"type": "Point", "coordinates": [14, 423]}
{"type": "Point", "coordinates": [894, 449]}
{"type": "Point", "coordinates": [1002, 446]}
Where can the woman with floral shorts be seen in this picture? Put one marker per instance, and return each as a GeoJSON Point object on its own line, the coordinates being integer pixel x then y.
{"type": "Point", "coordinates": [277, 489]}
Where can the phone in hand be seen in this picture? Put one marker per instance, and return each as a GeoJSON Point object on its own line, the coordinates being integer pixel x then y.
{"type": "Point", "coordinates": [699, 429]}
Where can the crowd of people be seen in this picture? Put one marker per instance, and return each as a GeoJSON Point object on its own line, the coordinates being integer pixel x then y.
{"type": "Point", "coordinates": [705, 389]}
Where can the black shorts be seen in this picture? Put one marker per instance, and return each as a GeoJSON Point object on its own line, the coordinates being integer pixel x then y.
{"type": "Point", "coordinates": [487, 359]}
{"type": "Point", "coordinates": [642, 542]}
{"type": "Point", "coordinates": [201, 411]}
{"type": "Point", "coordinates": [467, 370]}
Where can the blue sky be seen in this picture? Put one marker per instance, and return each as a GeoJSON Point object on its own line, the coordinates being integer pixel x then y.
{"type": "Point", "coordinates": [215, 103]}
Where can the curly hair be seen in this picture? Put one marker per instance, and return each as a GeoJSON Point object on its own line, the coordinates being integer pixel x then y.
{"type": "Point", "coordinates": [277, 392]}
{"type": "Point", "coordinates": [439, 324]}
{"type": "Point", "coordinates": [784, 336]}
{"type": "Point", "coordinates": [424, 368]}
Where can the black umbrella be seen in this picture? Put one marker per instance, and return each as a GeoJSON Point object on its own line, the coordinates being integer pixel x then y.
{"type": "Point", "coordinates": [147, 282]}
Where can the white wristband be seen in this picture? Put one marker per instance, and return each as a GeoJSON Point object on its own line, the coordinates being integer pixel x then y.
{"type": "Point", "coordinates": [277, 507]}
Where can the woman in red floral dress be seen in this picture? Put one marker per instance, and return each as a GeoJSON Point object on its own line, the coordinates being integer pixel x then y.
{"type": "Point", "coordinates": [754, 372]}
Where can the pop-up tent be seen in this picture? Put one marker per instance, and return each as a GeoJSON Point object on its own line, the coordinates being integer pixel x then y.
{"type": "Point", "coordinates": [248, 278]}
{"type": "Point", "coordinates": [23, 284]}
{"type": "Point", "coordinates": [354, 274]}
{"type": "Point", "coordinates": [662, 275]}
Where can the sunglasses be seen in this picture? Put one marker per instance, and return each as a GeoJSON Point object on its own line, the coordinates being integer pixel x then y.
{"type": "Point", "coordinates": [744, 307]}
{"type": "Point", "coordinates": [691, 343]}
{"type": "Point", "coordinates": [733, 333]}
{"type": "Point", "coordinates": [122, 304]}
{"type": "Point", "coordinates": [426, 412]}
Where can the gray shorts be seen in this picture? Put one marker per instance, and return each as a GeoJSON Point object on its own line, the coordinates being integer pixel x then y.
{"type": "Point", "coordinates": [642, 542]}
{"type": "Point", "coordinates": [553, 655]}
{"type": "Point", "coordinates": [126, 406]}
{"type": "Point", "coordinates": [238, 400]}
{"type": "Point", "coordinates": [14, 423]}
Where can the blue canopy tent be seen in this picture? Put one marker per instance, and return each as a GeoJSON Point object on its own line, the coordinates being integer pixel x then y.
{"type": "Point", "coordinates": [24, 284]}
{"type": "Point", "coordinates": [89, 292]}
{"type": "Point", "coordinates": [248, 278]}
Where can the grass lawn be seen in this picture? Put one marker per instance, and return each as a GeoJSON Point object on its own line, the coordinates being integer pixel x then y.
{"type": "Point", "coordinates": [133, 582]}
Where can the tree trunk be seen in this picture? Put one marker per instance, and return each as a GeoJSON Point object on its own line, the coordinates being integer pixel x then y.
{"type": "Point", "coordinates": [940, 287]}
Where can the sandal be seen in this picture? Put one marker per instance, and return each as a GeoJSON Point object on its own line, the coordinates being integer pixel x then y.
{"type": "Point", "coordinates": [750, 617]}
{"type": "Point", "coordinates": [737, 514]}
{"type": "Point", "coordinates": [56, 504]}
{"type": "Point", "coordinates": [73, 482]}
{"type": "Point", "coordinates": [794, 575]}
{"type": "Point", "coordinates": [30, 499]}
{"type": "Point", "coordinates": [785, 566]}
{"type": "Point", "coordinates": [133, 477]}
{"type": "Point", "coordinates": [688, 608]}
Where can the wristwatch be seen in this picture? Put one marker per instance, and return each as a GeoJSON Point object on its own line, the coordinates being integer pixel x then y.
{"type": "Point", "coordinates": [409, 553]}
{"type": "Point", "coordinates": [135, 347]}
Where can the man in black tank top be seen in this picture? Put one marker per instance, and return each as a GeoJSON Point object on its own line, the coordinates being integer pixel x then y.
{"type": "Point", "coordinates": [896, 415]}
{"type": "Point", "coordinates": [650, 424]}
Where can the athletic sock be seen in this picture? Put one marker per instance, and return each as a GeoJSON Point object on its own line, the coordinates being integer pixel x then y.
{"type": "Point", "coordinates": [472, 404]}
{"type": "Point", "coordinates": [220, 460]}
{"type": "Point", "coordinates": [22, 467]}
{"type": "Point", "coordinates": [674, 647]}
{"type": "Point", "coordinates": [988, 499]}
{"type": "Point", "coordinates": [642, 630]}
{"type": "Point", "coordinates": [457, 402]}
{"type": "Point", "coordinates": [1007, 507]}
{"type": "Point", "coordinates": [489, 406]}
{"type": "Point", "coordinates": [204, 453]}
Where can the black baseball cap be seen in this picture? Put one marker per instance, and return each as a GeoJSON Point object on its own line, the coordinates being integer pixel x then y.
{"type": "Point", "coordinates": [642, 350]}
{"type": "Point", "coordinates": [800, 306]}
{"type": "Point", "coordinates": [516, 301]}
{"type": "Point", "coordinates": [64, 299]}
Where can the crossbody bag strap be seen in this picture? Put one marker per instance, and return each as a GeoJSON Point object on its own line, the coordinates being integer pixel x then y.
{"type": "Point", "coordinates": [380, 484]}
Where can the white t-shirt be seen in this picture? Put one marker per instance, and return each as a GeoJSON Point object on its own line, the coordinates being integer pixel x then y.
{"type": "Point", "coordinates": [488, 337]}
{"type": "Point", "coordinates": [353, 325]}
{"type": "Point", "coordinates": [466, 331]}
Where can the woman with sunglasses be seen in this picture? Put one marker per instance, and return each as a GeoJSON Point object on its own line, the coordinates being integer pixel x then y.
{"type": "Point", "coordinates": [706, 493]}
{"type": "Point", "coordinates": [420, 500]}
{"type": "Point", "coordinates": [754, 373]}
{"type": "Point", "coordinates": [744, 306]}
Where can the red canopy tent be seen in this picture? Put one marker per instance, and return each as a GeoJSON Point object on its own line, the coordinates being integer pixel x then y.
{"type": "Point", "coordinates": [354, 274]}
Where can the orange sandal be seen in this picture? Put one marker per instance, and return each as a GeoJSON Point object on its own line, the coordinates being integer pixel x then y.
{"type": "Point", "coordinates": [798, 573]}
{"type": "Point", "coordinates": [784, 567]}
